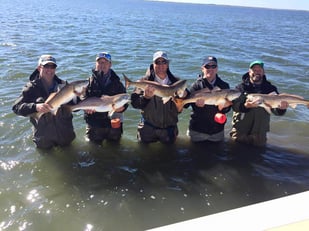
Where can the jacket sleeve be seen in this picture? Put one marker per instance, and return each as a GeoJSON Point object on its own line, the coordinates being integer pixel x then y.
{"type": "Point", "coordinates": [138, 100]}
{"type": "Point", "coordinates": [239, 104]}
{"type": "Point", "coordinates": [24, 105]}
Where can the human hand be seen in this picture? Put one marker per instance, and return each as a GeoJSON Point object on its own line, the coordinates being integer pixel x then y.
{"type": "Point", "coordinates": [200, 103]}
{"type": "Point", "coordinates": [43, 107]}
{"type": "Point", "coordinates": [90, 111]}
{"type": "Point", "coordinates": [227, 103]}
{"type": "Point", "coordinates": [149, 92]}
{"type": "Point", "coordinates": [283, 105]}
{"type": "Point", "coordinates": [252, 103]}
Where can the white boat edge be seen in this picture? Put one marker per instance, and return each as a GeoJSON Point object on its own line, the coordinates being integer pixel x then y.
{"type": "Point", "coordinates": [282, 214]}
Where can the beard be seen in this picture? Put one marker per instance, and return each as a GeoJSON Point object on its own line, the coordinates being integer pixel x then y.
{"type": "Point", "coordinates": [257, 79]}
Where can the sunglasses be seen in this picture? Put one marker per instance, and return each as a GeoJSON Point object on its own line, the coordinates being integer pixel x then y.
{"type": "Point", "coordinates": [210, 66]}
{"type": "Point", "coordinates": [158, 62]}
{"type": "Point", "coordinates": [50, 66]}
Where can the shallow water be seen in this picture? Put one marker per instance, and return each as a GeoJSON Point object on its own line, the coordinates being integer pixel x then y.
{"type": "Point", "coordinates": [134, 186]}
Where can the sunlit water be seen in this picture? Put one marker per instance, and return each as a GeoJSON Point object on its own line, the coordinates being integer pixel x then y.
{"type": "Point", "coordinates": [128, 185]}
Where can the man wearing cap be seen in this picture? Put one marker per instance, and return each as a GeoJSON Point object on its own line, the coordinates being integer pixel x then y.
{"type": "Point", "coordinates": [103, 81]}
{"type": "Point", "coordinates": [159, 120]}
{"type": "Point", "coordinates": [203, 125]}
{"type": "Point", "coordinates": [49, 130]}
{"type": "Point", "coordinates": [250, 122]}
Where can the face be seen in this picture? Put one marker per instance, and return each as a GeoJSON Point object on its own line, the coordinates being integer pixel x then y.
{"type": "Point", "coordinates": [47, 71]}
{"type": "Point", "coordinates": [210, 71]}
{"type": "Point", "coordinates": [160, 67]}
{"type": "Point", "coordinates": [103, 65]}
{"type": "Point", "coordinates": [256, 74]}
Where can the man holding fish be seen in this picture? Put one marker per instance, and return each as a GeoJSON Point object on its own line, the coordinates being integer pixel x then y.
{"type": "Point", "coordinates": [210, 99]}
{"type": "Point", "coordinates": [42, 99]}
{"type": "Point", "coordinates": [152, 96]}
{"type": "Point", "coordinates": [104, 84]}
{"type": "Point", "coordinates": [250, 121]}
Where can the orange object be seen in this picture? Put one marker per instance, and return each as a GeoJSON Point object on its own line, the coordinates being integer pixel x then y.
{"type": "Point", "coordinates": [220, 118]}
{"type": "Point", "coordinates": [116, 123]}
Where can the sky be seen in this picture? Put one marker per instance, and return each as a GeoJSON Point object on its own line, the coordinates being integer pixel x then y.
{"type": "Point", "coordinates": [275, 4]}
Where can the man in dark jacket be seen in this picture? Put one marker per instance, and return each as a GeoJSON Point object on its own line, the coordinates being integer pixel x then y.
{"type": "Point", "coordinates": [203, 126]}
{"type": "Point", "coordinates": [159, 120]}
{"type": "Point", "coordinates": [49, 130]}
{"type": "Point", "coordinates": [103, 81]}
{"type": "Point", "coordinates": [251, 122]}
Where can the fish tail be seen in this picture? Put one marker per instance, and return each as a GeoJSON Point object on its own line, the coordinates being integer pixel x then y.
{"type": "Point", "coordinates": [179, 104]}
{"type": "Point", "coordinates": [71, 108]}
{"type": "Point", "coordinates": [127, 80]}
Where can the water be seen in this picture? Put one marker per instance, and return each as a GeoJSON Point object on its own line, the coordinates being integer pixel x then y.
{"type": "Point", "coordinates": [132, 186]}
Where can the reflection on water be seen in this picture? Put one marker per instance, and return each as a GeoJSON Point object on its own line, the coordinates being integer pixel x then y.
{"type": "Point", "coordinates": [146, 186]}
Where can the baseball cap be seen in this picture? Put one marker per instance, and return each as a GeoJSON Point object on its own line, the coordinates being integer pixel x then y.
{"type": "Point", "coordinates": [160, 54]}
{"type": "Point", "coordinates": [104, 55]}
{"type": "Point", "coordinates": [209, 59]}
{"type": "Point", "coordinates": [256, 62]}
{"type": "Point", "coordinates": [44, 59]}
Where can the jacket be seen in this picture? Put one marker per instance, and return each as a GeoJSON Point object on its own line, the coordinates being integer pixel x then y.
{"type": "Point", "coordinates": [97, 88]}
{"type": "Point", "coordinates": [153, 111]}
{"type": "Point", "coordinates": [32, 93]}
{"type": "Point", "coordinates": [50, 129]}
{"type": "Point", "coordinates": [202, 118]}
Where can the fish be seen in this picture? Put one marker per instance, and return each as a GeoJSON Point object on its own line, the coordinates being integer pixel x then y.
{"type": "Point", "coordinates": [273, 100]}
{"type": "Point", "coordinates": [63, 96]}
{"type": "Point", "coordinates": [218, 97]}
{"type": "Point", "coordinates": [104, 103]}
{"type": "Point", "coordinates": [165, 91]}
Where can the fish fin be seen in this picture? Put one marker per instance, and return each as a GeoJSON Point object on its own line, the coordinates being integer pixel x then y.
{"type": "Point", "coordinates": [104, 97]}
{"type": "Point", "coordinates": [273, 93]}
{"type": "Point", "coordinates": [296, 96]}
{"type": "Point", "coordinates": [293, 105]}
{"type": "Point", "coordinates": [165, 99]}
{"type": "Point", "coordinates": [179, 104]}
{"type": "Point", "coordinates": [225, 104]}
{"type": "Point", "coordinates": [111, 113]}
{"type": "Point", "coordinates": [267, 108]}
{"type": "Point", "coordinates": [216, 88]}
{"type": "Point", "coordinates": [36, 115]}
{"type": "Point", "coordinates": [220, 107]}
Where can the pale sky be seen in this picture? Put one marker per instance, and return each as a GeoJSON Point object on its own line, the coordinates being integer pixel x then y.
{"type": "Point", "coordinates": [275, 4]}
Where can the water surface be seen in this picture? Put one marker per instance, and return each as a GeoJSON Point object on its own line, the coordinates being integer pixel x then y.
{"type": "Point", "coordinates": [134, 186]}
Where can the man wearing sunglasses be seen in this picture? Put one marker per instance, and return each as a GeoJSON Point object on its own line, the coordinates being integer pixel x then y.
{"type": "Point", "coordinates": [103, 81]}
{"type": "Point", "coordinates": [49, 130]}
{"type": "Point", "coordinates": [159, 120]}
{"type": "Point", "coordinates": [203, 125]}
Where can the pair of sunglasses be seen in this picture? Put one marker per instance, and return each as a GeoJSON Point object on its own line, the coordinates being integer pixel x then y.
{"type": "Point", "coordinates": [50, 66]}
{"type": "Point", "coordinates": [158, 62]}
{"type": "Point", "coordinates": [210, 66]}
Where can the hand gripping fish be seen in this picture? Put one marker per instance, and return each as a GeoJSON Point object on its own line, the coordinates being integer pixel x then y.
{"type": "Point", "coordinates": [273, 100]}
{"type": "Point", "coordinates": [164, 91]}
{"type": "Point", "coordinates": [218, 97]}
{"type": "Point", "coordinates": [63, 96]}
{"type": "Point", "coordinates": [104, 103]}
